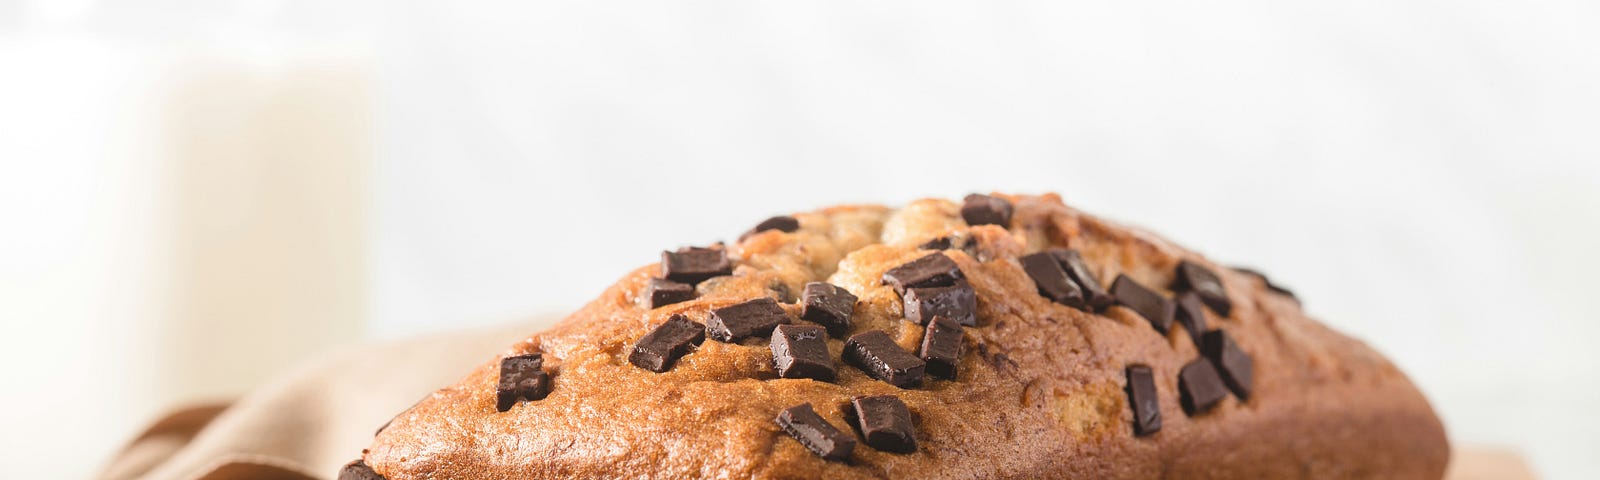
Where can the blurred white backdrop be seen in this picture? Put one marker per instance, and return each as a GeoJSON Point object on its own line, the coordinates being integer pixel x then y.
{"type": "Point", "coordinates": [1426, 175]}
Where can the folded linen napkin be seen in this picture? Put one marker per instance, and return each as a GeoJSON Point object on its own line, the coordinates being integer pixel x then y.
{"type": "Point", "coordinates": [309, 422]}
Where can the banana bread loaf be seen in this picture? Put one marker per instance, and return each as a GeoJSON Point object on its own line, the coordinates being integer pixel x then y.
{"type": "Point", "coordinates": [1004, 336]}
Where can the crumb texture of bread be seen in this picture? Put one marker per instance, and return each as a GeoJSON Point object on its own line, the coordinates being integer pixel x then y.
{"type": "Point", "coordinates": [1039, 391]}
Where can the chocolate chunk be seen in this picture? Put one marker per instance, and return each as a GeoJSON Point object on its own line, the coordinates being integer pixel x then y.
{"type": "Point", "coordinates": [1270, 286]}
{"type": "Point", "coordinates": [1142, 398]}
{"type": "Point", "coordinates": [755, 317]}
{"type": "Point", "coordinates": [663, 292]}
{"type": "Point", "coordinates": [1199, 386]}
{"type": "Point", "coordinates": [1191, 315]}
{"type": "Point", "coordinates": [358, 470]}
{"type": "Point", "coordinates": [816, 434]}
{"type": "Point", "coordinates": [782, 223]}
{"type": "Point", "coordinates": [1095, 294]}
{"type": "Point", "coordinates": [693, 265]}
{"type": "Point", "coordinates": [986, 210]}
{"type": "Point", "coordinates": [521, 378]}
{"type": "Point", "coordinates": [1052, 280]}
{"type": "Point", "coordinates": [885, 423]}
{"type": "Point", "coordinates": [877, 355]}
{"type": "Point", "coordinates": [941, 347]}
{"type": "Point", "coordinates": [801, 351]}
{"type": "Point", "coordinates": [932, 270]}
{"type": "Point", "coordinates": [1156, 309]}
{"type": "Point", "coordinates": [780, 291]}
{"type": "Point", "coordinates": [1236, 368]}
{"type": "Point", "coordinates": [1195, 278]}
{"type": "Point", "coordinates": [829, 305]}
{"type": "Point", "coordinates": [657, 350]}
{"type": "Point", "coordinates": [939, 243]}
{"type": "Point", "coordinates": [958, 302]}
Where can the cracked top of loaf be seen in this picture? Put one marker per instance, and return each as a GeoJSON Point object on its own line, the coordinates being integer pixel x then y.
{"type": "Point", "coordinates": [1040, 390]}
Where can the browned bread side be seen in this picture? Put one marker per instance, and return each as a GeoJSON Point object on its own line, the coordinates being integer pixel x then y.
{"type": "Point", "coordinates": [1039, 391]}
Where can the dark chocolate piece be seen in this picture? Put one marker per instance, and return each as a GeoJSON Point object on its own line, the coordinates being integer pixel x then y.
{"type": "Point", "coordinates": [932, 270]}
{"type": "Point", "coordinates": [958, 302]}
{"type": "Point", "coordinates": [662, 292]}
{"type": "Point", "coordinates": [1192, 315]}
{"type": "Point", "coordinates": [885, 423]}
{"type": "Point", "coordinates": [1142, 398]}
{"type": "Point", "coordinates": [801, 351]}
{"type": "Point", "coordinates": [1200, 388]}
{"type": "Point", "coordinates": [938, 243]}
{"type": "Point", "coordinates": [358, 470]}
{"type": "Point", "coordinates": [780, 291]}
{"type": "Point", "coordinates": [986, 210]}
{"type": "Point", "coordinates": [752, 318]}
{"type": "Point", "coordinates": [828, 305]}
{"type": "Point", "coordinates": [941, 347]}
{"type": "Point", "coordinates": [693, 265]}
{"type": "Point", "coordinates": [657, 350]}
{"type": "Point", "coordinates": [1052, 280]}
{"type": "Point", "coordinates": [782, 223]}
{"type": "Point", "coordinates": [521, 378]}
{"type": "Point", "coordinates": [816, 434]}
{"type": "Point", "coordinates": [1236, 368]}
{"type": "Point", "coordinates": [1094, 293]}
{"type": "Point", "coordinates": [1156, 309]}
{"type": "Point", "coordinates": [877, 355]}
{"type": "Point", "coordinates": [1195, 278]}
{"type": "Point", "coordinates": [1268, 281]}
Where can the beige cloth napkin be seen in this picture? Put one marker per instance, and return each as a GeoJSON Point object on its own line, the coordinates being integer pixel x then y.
{"type": "Point", "coordinates": [309, 422]}
{"type": "Point", "coordinates": [313, 420]}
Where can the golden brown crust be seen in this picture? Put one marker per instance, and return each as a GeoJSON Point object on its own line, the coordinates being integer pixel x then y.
{"type": "Point", "coordinates": [1039, 394]}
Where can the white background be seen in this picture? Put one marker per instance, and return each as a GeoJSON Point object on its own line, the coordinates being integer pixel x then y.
{"type": "Point", "coordinates": [1425, 174]}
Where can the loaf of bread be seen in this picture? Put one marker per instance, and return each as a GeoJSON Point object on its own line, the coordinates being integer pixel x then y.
{"type": "Point", "coordinates": [1004, 336]}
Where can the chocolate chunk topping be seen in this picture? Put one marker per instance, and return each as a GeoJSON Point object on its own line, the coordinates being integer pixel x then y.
{"type": "Point", "coordinates": [801, 351]}
{"type": "Point", "coordinates": [958, 302]}
{"type": "Point", "coordinates": [1191, 315]}
{"type": "Point", "coordinates": [828, 305]}
{"type": "Point", "coordinates": [1095, 294]}
{"type": "Point", "coordinates": [1142, 398]}
{"type": "Point", "coordinates": [1200, 387]}
{"type": "Point", "coordinates": [1158, 310]}
{"type": "Point", "coordinates": [1195, 278]}
{"type": "Point", "coordinates": [932, 270]}
{"type": "Point", "coordinates": [940, 243]}
{"type": "Point", "coordinates": [657, 350]}
{"type": "Point", "coordinates": [358, 470]}
{"type": "Point", "coordinates": [693, 265]}
{"type": "Point", "coordinates": [941, 347]}
{"type": "Point", "coordinates": [780, 291]}
{"type": "Point", "coordinates": [521, 378]}
{"type": "Point", "coordinates": [755, 317]}
{"type": "Point", "coordinates": [1236, 368]}
{"type": "Point", "coordinates": [782, 223]}
{"type": "Point", "coordinates": [986, 210]}
{"type": "Point", "coordinates": [1052, 280]}
{"type": "Point", "coordinates": [1270, 286]}
{"type": "Point", "coordinates": [816, 434]}
{"type": "Point", "coordinates": [885, 423]}
{"type": "Point", "coordinates": [877, 355]}
{"type": "Point", "coordinates": [663, 292]}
